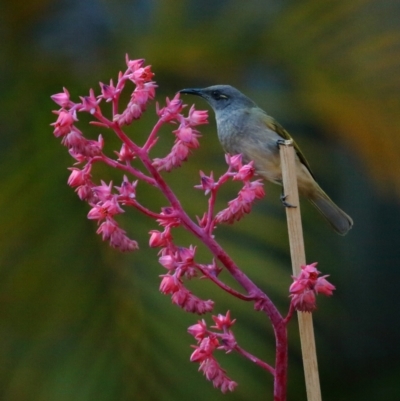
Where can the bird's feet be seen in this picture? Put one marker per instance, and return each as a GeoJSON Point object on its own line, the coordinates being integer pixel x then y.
{"type": "Point", "coordinates": [284, 203]}
{"type": "Point", "coordinates": [280, 142]}
{"type": "Point", "coordinates": [284, 142]}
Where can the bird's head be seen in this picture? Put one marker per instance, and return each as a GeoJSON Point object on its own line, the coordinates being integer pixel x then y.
{"type": "Point", "coordinates": [222, 97]}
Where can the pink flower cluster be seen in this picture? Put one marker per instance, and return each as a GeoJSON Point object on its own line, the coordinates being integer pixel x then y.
{"type": "Point", "coordinates": [105, 205]}
{"type": "Point", "coordinates": [186, 136]}
{"type": "Point", "coordinates": [207, 343]}
{"type": "Point", "coordinates": [306, 286]}
{"type": "Point", "coordinates": [251, 191]}
{"type": "Point", "coordinates": [145, 90]}
{"type": "Point", "coordinates": [241, 205]}
{"type": "Point", "coordinates": [180, 263]}
{"type": "Point", "coordinates": [78, 146]}
{"type": "Point", "coordinates": [106, 202]}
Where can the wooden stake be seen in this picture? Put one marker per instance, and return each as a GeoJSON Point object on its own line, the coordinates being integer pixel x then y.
{"type": "Point", "coordinates": [298, 256]}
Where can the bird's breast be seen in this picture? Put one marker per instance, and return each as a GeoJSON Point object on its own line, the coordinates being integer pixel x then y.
{"type": "Point", "coordinates": [248, 134]}
{"type": "Point", "coordinates": [242, 133]}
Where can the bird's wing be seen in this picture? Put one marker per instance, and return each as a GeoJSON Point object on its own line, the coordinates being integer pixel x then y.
{"type": "Point", "coordinates": [275, 126]}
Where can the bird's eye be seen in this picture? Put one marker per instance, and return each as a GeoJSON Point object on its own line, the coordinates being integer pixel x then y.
{"type": "Point", "coordinates": [217, 95]}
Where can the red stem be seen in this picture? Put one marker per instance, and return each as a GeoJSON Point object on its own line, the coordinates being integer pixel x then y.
{"type": "Point", "coordinates": [143, 209]}
{"type": "Point", "coordinates": [281, 362]}
{"type": "Point", "coordinates": [222, 285]}
{"type": "Point", "coordinates": [150, 140]}
{"type": "Point", "coordinates": [129, 169]}
{"type": "Point", "coordinates": [254, 359]}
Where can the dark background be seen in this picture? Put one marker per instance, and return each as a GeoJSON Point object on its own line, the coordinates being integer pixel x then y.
{"type": "Point", "coordinates": [80, 321]}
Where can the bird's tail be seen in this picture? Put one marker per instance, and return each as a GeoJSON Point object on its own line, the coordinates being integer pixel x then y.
{"type": "Point", "coordinates": [336, 217]}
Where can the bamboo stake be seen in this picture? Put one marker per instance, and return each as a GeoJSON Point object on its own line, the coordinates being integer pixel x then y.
{"type": "Point", "coordinates": [298, 256]}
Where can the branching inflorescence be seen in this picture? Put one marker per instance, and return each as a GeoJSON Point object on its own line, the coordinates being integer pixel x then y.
{"type": "Point", "coordinates": [107, 200]}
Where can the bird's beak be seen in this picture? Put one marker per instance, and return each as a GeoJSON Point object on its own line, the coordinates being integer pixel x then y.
{"type": "Point", "coordinates": [192, 91]}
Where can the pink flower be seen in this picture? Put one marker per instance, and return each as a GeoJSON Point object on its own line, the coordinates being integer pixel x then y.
{"type": "Point", "coordinates": [188, 136]}
{"type": "Point", "coordinates": [180, 151]}
{"type": "Point", "coordinates": [107, 229]}
{"type": "Point", "coordinates": [158, 238]}
{"type": "Point", "coordinates": [168, 261]}
{"type": "Point", "coordinates": [306, 286]}
{"type": "Point", "coordinates": [199, 330]}
{"type": "Point", "coordinates": [170, 284]}
{"type": "Point", "coordinates": [298, 286]}
{"type": "Point", "coordinates": [185, 135]}
{"type": "Point", "coordinates": [306, 279]}
{"type": "Point", "coordinates": [141, 75]}
{"type": "Point", "coordinates": [117, 237]}
{"type": "Point", "coordinates": [179, 297]}
{"type": "Point", "coordinates": [241, 205]}
{"type": "Point", "coordinates": [213, 372]}
{"type": "Point", "coordinates": [103, 191]}
{"type": "Point", "coordinates": [75, 140]}
{"type": "Point", "coordinates": [172, 110]}
{"type": "Point", "coordinates": [190, 303]}
{"type": "Point", "coordinates": [205, 349]}
{"type": "Point", "coordinates": [197, 117]}
{"type": "Point", "coordinates": [132, 112]}
{"type": "Point", "coordinates": [78, 177]}
{"type": "Point", "coordinates": [234, 162]}
{"type": "Point", "coordinates": [80, 147]}
{"type": "Point", "coordinates": [305, 301]}
{"type": "Point", "coordinates": [179, 154]}
{"type": "Point", "coordinates": [133, 65]}
{"type": "Point", "coordinates": [89, 103]}
{"type": "Point", "coordinates": [228, 215]}
{"type": "Point", "coordinates": [168, 218]}
{"type": "Point", "coordinates": [94, 148]}
{"type": "Point", "coordinates": [185, 261]}
{"type": "Point", "coordinates": [322, 286]}
{"type": "Point", "coordinates": [85, 192]}
{"type": "Point", "coordinates": [228, 341]}
{"type": "Point", "coordinates": [108, 92]}
{"type": "Point", "coordinates": [209, 366]}
{"type": "Point", "coordinates": [105, 209]}
{"type": "Point", "coordinates": [245, 172]}
{"type": "Point", "coordinates": [252, 190]}
{"type": "Point", "coordinates": [62, 99]}
{"type": "Point", "coordinates": [125, 154]}
{"type": "Point", "coordinates": [247, 195]}
{"type": "Point", "coordinates": [186, 255]}
{"type": "Point", "coordinates": [207, 183]}
{"type": "Point", "coordinates": [127, 190]}
{"type": "Point", "coordinates": [64, 123]}
{"type": "Point", "coordinates": [223, 322]}
{"type": "Point", "coordinates": [120, 241]}
{"type": "Point", "coordinates": [150, 88]}
{"type": "Point", "coordinates": [143, 93]}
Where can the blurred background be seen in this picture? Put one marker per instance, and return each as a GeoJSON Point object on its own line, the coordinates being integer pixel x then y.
{"type": "Point", "coordinates": [80, 321]}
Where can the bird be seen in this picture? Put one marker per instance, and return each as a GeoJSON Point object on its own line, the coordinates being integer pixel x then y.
{"type": "Point", "coordinates": [244, 128]}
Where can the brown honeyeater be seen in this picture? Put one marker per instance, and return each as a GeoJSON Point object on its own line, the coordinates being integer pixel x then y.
{"type": "Point", "coordinates": [245, 128]}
